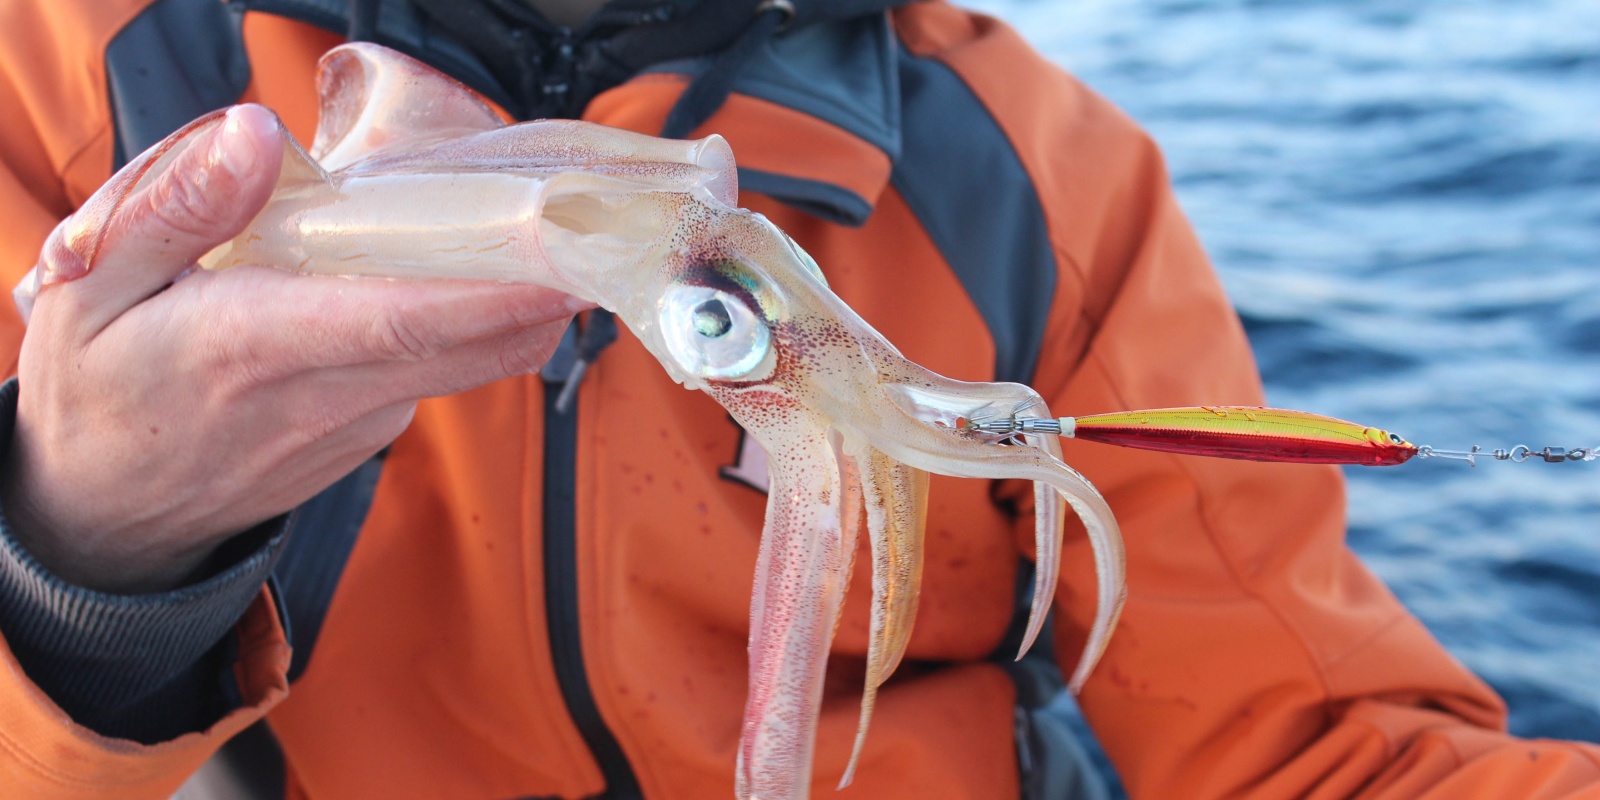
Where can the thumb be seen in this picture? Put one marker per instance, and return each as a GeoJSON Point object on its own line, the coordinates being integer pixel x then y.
{"type": "Point", "coordinates": [196, 190]}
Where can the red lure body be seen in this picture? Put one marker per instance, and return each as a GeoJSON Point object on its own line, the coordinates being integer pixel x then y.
{"type": "Point", "coordinates": [1243, 432]}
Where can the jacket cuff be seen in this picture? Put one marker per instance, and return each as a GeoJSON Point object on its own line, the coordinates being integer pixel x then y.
{"type": "Point", "coordinates": [144, 667]}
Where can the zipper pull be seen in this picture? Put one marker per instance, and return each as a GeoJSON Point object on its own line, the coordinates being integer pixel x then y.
{"type": "Point", "coordinates": [597, 334]}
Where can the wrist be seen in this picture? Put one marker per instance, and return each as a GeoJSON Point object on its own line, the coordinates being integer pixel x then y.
{"type": "Point", "coordinates": [102, 557]}
{"type": "Point", "coordinates": [99, 560]}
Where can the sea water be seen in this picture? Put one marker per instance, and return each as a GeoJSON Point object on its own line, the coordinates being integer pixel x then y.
{"type": "Point", "coordinates": [1403, 200]}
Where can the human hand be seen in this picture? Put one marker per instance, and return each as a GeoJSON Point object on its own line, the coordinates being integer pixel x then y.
{"type": "Point", "coordinates": [154, 420]}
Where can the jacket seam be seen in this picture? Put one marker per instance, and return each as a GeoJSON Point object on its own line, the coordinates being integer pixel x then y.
{"type": "Point", "coordinates": [103, 92]}
{"type": "Point", "coordinates": [79, 153]}
{"type": "Point", "coordinates": [638, 759]}
{"type": "Point", "coordinates": [1057, 247]}
{"type": "Point", "coordinates": [1053, 228]}
{"type": "Point", "coordinates": [1078, 272]}
{"type": "Point", "coordinates": [1590, 755]}
{"type": "Point", "coordinates": [1065, 263]}
{"type": "Point", "coordinates": [103, 95]}
{"type": "Point", "coordinates": [1396, 619]}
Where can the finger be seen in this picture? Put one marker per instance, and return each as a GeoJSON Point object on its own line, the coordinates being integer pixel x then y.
{"type": "Point", "coordinates": [212, 189]}
{"type": "Point", "coordinates": [430, 321]}
{"type": "Point", "coordinates": [300, 473]}
{"type": "Point", "coordinates": [290, 323]}
{"type": "Point", "coordinates": [469, 366]}
{"type": "Point", "coordinates": [288, 471]}
{"type": "Point", "coordinates": [320, 411]}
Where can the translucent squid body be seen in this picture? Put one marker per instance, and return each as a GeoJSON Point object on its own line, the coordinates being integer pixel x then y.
{"type": "Point", "coordinates": [411, 174]}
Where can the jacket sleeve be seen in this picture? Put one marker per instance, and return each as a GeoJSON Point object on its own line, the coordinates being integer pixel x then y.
{"type": "Point", "coordinates": [1256, 656]}
{"type": "Point", "coordinates": [141, 667]}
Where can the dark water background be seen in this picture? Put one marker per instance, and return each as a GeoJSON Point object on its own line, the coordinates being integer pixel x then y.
{"type": "Point", "coordinates": [1403, 199]}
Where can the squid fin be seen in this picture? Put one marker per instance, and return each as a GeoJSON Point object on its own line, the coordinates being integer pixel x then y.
{"type": "Point", "coordinates": [589, 156]}
{"type": "Point", "coordinates": [377, 103]}
{"type": "Point", "coordinates": [375, 99]}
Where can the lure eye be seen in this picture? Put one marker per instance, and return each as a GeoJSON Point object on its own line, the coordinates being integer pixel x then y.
{"type": "Point", "coordinates": [1395, 437]}
{"type": "Point", "coordinates": [713, 334]}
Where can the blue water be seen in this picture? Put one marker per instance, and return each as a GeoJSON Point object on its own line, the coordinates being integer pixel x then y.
{"type": "Point", "coordinates": [1403, 199]}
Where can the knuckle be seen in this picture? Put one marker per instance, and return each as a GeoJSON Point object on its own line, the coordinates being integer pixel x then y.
{"type": "Point", "coordinates": [393, 424]}
{"type": "Point", "coordinates": [363, 436]}
{"type": "Point", "coordinates": [185, 203]}
{"type": "Point", "coordinates": [527, 352]}
{"type": "Point", "coordinates": [243, 368]}
{"type": "Point", "coordinates": [322, 423]}
{"type": "Point", "coordinates": [539, 308]}
{"type": "Point", "coordinates": [520, 360]}
{"type": "Point", "coordinates": [233, 355]}
{"type": "Point", "coordinates": [394, 338]}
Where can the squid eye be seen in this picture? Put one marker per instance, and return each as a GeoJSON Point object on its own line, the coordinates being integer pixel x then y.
{"type": "Point", "coordinates": [711, 319]}
{"type": "Point", "coordinates": [713, 334]}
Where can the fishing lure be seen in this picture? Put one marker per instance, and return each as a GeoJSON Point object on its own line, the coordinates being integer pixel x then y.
{"type": "Point", "coordinates": [1249, 433]}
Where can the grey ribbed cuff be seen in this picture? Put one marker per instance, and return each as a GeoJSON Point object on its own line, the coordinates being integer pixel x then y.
{"type": "Point", "coordinates": [118, 663]}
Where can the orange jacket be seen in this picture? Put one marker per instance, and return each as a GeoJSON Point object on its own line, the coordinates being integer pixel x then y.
{"type": "Point", "coordinates": [1256, 657]}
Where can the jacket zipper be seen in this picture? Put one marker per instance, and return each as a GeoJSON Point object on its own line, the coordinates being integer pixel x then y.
{"type": "Point", "coordinates": [561, 577]}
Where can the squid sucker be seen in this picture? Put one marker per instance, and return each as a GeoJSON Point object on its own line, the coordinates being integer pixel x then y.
{"type": "Point", "coordinates": [413, 175]}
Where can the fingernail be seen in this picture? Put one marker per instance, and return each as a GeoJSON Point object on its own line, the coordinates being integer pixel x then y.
{"type": "Point", "coordinates": [236, 148]}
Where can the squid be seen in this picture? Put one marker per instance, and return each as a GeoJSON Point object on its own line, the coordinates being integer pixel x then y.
{"type": "Point", "coordinates": [412, 175]}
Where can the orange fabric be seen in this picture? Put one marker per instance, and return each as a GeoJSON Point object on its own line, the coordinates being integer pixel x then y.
{"type": "Point", "coordinates": [45, 755]}
{"type": "Point", "coordinates": [764, 135]}
{"type": "Point", "coordinates": [440, 626]}
{"type": "Point", "coordinates": [1256, 658]}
